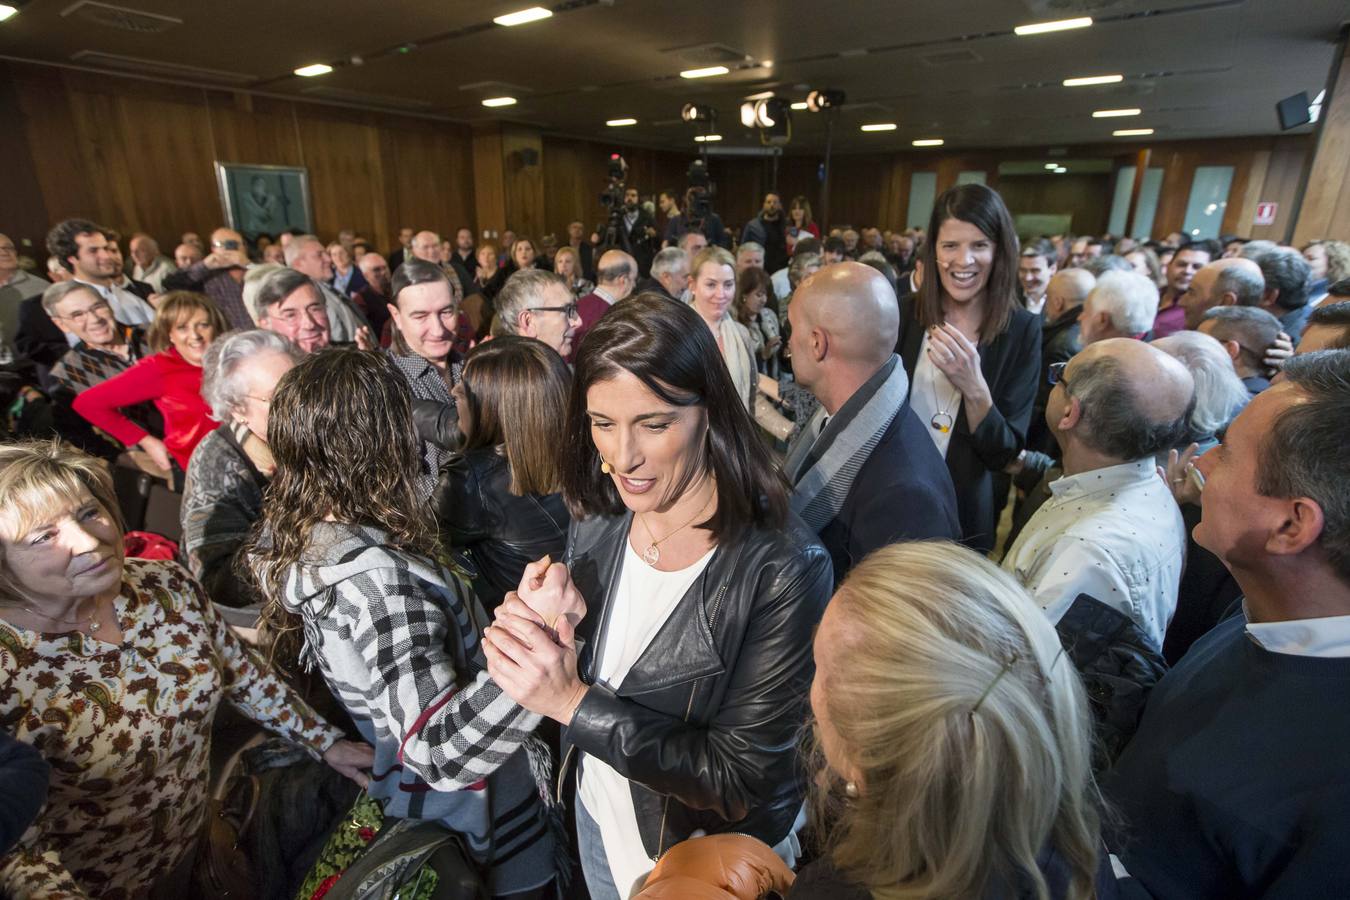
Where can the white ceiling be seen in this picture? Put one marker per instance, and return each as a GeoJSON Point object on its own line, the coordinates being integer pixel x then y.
{"type": "Point", "coordinates": [950, 69]}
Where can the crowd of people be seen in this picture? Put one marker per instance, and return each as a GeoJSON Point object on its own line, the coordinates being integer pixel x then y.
{"type": "Point", "coordinates": [708, 562]}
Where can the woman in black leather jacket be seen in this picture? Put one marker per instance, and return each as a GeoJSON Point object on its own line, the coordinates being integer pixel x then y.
{"type": "Point", "coordinates": [684, 708]}
{"type": "Point", "coordinates": [498, 499]}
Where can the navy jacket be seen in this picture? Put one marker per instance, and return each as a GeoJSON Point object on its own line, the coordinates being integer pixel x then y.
{"type": "Point", "coordinates": [903, 492]}
{"type": "Point", "coordinates": [23, 789]}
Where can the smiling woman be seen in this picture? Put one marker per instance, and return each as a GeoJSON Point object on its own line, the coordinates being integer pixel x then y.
{"type": "Point", "coordinates": [972, 352]}
{"type": "Point", "coordinates": [185, 323]}
{"type": "Point", "coordinates": [702, 591]}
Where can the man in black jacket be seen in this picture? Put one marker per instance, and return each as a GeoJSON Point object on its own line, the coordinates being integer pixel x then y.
{"type": "Point", "coordinates": [864, 471]}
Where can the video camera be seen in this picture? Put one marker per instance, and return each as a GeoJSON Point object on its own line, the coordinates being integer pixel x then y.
{"type": "Point", "coordinates": [698, 195]}
{"type": "Point", "coordinates": [612, 196]}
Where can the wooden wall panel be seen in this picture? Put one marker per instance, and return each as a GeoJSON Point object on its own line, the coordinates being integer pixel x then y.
{"type": "Point", "coordinates": [489, 186]}
{"type": "Point", "coordinates": [523, 180]}
{"type": "Point", "coordinates": [1326, 206]}
{"type": "Point", "coordinates": [138, 156]}
{"type": "Point", "coordinates": [1087, 198]}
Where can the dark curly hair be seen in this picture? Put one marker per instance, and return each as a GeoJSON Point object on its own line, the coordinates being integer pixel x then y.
{"type": "Point", "coordinates": [341, 431]}
{"type": "Point", "coordinates": [61, 239]}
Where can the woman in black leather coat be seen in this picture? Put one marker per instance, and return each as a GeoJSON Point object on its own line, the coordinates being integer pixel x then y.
{"type": "Point", "coordinates": [498, 499]}
{"type": "Point", "coordinates": [684, 708]}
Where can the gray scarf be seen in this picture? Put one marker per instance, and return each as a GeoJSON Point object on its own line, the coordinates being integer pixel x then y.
{"type": "Point", "coordinates": [822, 469]}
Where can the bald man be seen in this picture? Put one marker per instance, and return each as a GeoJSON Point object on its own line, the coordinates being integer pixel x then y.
{"type": "Point", "coordinates": [864, 471]}
{"type": "Point", "coordinates": [1233, 281]}
{"type": "Point", "coordinates": [1111, 528]}
{"type": "Point", "coordinates": [616, 275]}
{"type": "Point", "coordinates": [220, 275]}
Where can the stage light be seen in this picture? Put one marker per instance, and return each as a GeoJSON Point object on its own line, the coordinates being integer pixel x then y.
{"type": "Point", "coordinates": [826, 99]}
{"type": "Point", "coordinates": [6, 11]}
{"type": "Point", "coordinates": [695, 112]}
{"type": "Point", "coordinates": [764, 113]}
{"type": "Point", "coordinates": [311, 71]}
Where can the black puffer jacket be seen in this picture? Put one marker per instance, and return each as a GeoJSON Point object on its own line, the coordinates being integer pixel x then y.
{"type": "Point", "coordinates": [705, 724]}
{"type": "Point", "coordinates": [1118, 668]}
{"type": "Point", "coordinates": [501, 532]}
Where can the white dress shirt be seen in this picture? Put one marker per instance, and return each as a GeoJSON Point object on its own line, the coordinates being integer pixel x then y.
{"type": "Point", "coordinates": [1325, 637]}
{"type": "Point", "coordinates": [1115, 534]}
{"type": "Point", "coordinates": [127, 308]}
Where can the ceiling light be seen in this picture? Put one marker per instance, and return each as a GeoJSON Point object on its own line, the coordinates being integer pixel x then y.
{"type": "Point", "coordinates": [533, 14]}
{"type": "Point", "coordinates": [1093, 79]}
{"type": "Point", "coordinates": [799, 105]}
{"type": "Point", "coordinates": [1133, 132]}
{"type": "Point", "coordinates": [493, 102]}
{"type": "Point", "coordinates": [1052, 165]}
{"type": "Point", "coordinates": [927, 142]}
{"type": "Point", "coordinates": [766, 63]}
{"type": "Point", "coordinates": [706, 72]}
{"type": "Point", "coordinates": [1115, 113]}
{"type": "Point", "coordinates": [620, 123]}
{"type": "Point", "coordinates": [311, 71]}
{"type": "Point", "coordinates": [879, 126]}
{"type": "Point", "coordinates": [1060, 170]}
{"type": "Point", "coordinates": [1046, 27]}
{"type": "Point", "coordinates": [7, 11]}
{"type": "Point", "coordinates": [707, 138]}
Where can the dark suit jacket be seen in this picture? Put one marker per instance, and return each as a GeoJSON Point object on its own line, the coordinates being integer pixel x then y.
{"type": "Point", "coordinates": [1010, 363]}
{"type": "Point", "coordinates": [38, 338]}
{"type": "Point", "coordinates": [1059, 343]}
{"type": "Point", "coordinates": [903, 492]}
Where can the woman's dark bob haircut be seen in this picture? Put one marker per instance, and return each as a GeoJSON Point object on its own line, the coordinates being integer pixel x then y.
{"type": "Point", "coordinates": [668, 348]}
{"type": "Point", "coordinates": [982, 207]}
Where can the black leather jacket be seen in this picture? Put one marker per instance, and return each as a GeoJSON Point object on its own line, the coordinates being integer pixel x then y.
{"type": "Point", "coordinates": [705, 725]}
{"type": "Point", "coordinates": [500, 531]}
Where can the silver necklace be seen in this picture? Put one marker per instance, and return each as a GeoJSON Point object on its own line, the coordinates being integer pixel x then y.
{"type": "Point", "coordinates": [942, 420]}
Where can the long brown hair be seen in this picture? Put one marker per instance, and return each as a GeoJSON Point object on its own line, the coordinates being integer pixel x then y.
{"type": "Point", "coordinates": [666, 346]}
{"type": "Point", "coordinates": [747, 282]}
{"type": "Point", "coordinates": [340, 429]}
{"type": "Point", "coordinates": [516, 388]}
{"type": "Point", "coordinates": [982, 207]}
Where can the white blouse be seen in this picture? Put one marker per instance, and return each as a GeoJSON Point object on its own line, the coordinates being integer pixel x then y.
{"type": "Point", "coordinates": [934, 398]}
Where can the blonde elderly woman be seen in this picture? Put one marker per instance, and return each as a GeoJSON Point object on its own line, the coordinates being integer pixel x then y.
{"type": "Point", "coordinates": [113, 669]}
{"type": "Point", "coordinates": [953, 739]}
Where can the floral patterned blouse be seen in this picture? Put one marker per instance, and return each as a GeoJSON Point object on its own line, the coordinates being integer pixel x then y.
{"type": "Point", "coordinates": [126, 729]}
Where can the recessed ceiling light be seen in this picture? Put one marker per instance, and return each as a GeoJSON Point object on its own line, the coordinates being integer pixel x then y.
{"type": "Point", "coordinates": [1046, 27]}
{"type": "Point", "coordinates": [1052, 165]}
{"type": "Point", "coordinates": [705, 72]}
{"type": "Point", "coordinates": [619, 123]}
{"type": "Point", "coordinates": [1060, 170]}
{"type": "Point", "coordinates": [879, 126]}
{"type": "Point", "coordinates": [707, 138]}
{"type": "Point", "coordinates": [499, 101]}
{"type": "Point", "coordinates": [533, 14]}
{"type": "Point", "coordinates": [927, 142]}
{"type": "Point", "coordinates": [1132, 132]}
{"type": "Point", "coordinates": [311, 71]}
{"type": "Point", "coordinates": [1093, 79]}
{"type": "Point", "coordinates": [1115, 113]}
{"type": "Point", "coordinates": [799, 105]}
{"type": "Point", "coordinates": [6, 11]}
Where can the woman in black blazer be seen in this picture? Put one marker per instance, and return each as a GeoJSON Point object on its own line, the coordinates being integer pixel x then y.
{"type": "Point", "coordinates": [972, 352]}
{"type": "Point", "coordinates": [499, 500]}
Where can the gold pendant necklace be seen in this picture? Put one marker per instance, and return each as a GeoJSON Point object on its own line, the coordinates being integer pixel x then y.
{"type": "Point", "coordinates": [92, 624]}
{"type": "Point", "coordinates": [652, 555]}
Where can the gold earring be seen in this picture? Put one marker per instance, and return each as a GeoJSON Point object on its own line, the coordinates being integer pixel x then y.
{"type": "Point", "coordinates": [605, 467]}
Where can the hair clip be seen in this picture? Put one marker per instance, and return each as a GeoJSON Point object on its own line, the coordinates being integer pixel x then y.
{"type": "Point", "coordinates": [1007, 666]}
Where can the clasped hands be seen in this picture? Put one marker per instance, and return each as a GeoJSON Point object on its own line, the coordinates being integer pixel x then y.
{"type": "Point", "coordinates": [531, 647]}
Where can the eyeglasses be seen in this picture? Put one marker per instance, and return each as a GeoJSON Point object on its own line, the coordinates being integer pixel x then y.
{"type": "Point", "coordinates": [78, 316]}
{"type": "Point", "coordinates": [1055, 374]}
{"type": "Point", "coordinates": [570, 310]}
{"type": "Point", "coordinates": [265, 401]}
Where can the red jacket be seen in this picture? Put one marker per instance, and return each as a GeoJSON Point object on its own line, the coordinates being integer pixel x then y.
{"type": "Point", "coordinates": [175, 387]}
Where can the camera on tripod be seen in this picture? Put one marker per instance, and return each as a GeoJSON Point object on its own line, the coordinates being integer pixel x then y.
{"type": "Point", "coordinates": [612, 196]}
{"type": "Point", "coordinates": [698, 195]}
